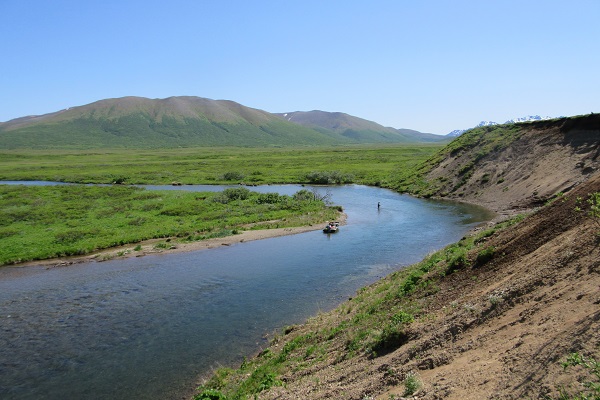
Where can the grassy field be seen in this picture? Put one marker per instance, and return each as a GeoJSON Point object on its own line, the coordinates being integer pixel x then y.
{"type": "Point", "coordinates": [40, 222]}
{"type": "Point", "coordinates": [371, 165]}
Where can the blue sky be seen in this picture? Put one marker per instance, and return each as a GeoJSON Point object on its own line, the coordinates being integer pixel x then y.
{"type": "Point", "coordinates": [429, 65]}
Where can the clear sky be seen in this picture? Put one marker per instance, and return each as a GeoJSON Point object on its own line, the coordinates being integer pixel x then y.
{"type": "Point", "coordinates": [429, 65]}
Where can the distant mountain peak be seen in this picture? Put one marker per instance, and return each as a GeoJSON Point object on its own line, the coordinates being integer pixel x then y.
{"type": "Point", "coordinates": [528, 118]}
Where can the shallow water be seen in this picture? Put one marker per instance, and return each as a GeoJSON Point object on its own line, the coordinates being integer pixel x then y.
{"type": "Point", "coordinates": [147, 327]}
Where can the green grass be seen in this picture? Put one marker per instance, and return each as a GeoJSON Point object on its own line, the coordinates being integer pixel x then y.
{"type": "Point", "coordinates": [142, 130]}
{"type": "Point", "coordinates": [371, 165]}
{"type": "Point", "coordinates": [40, 222]}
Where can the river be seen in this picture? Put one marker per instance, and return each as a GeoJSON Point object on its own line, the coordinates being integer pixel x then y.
{"type": "Point", "coordinates": [147, 327]}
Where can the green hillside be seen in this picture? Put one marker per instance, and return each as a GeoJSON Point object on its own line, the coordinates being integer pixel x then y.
{"type": "Point", "coordinates": [136, 122]}
{"type": "Point", "coordinates": [133, 122]}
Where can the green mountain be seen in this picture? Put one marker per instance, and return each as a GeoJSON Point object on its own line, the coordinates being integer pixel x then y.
{"type": "Point", "coordinates": [356, 129]}
{"type": "Point", "coordinates": [137, 122]}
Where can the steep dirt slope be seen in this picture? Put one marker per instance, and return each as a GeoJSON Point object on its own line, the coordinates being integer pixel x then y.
{"type": "Point", "coordinates": [518, 166]}
{"type": "Point", "coordinates": [506, 329]}
{"type": "Point", "coordinates": [497, 331]}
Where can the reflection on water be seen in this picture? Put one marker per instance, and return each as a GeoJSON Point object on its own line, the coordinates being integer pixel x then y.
{"type": "Point", "coordinates": [147, 327]}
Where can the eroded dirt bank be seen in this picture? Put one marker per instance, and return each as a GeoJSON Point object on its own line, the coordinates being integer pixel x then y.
{"type": "Point", "coordinates": [538, 161]}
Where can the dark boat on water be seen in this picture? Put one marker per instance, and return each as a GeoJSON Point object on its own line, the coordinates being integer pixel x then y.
{"type": "Point", "coordinates": [331, 227]}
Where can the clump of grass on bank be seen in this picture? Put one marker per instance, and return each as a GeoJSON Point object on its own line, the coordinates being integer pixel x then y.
{"type": "Point", "coordinates": [40, 222]}
{"type": "Point", "coordinates": [375, 322]}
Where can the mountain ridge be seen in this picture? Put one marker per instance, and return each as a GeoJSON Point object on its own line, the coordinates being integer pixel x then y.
{"type": "Point", "coordinates": [185, 121]}
{"type": "Point", "coordinates": [355, 127]}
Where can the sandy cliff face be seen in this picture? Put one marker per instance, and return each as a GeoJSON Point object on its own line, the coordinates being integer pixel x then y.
{"type": "Point", "coordinates": [546, 158]}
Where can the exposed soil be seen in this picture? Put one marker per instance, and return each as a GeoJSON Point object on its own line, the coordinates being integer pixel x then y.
{"type": "Point", "coordinates": [549, 157]}
{"type": "Point", "coordinates": [501, 330]}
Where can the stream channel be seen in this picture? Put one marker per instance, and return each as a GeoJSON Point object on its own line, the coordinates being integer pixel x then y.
{"type": "Point", "coordinates": [148, 327]}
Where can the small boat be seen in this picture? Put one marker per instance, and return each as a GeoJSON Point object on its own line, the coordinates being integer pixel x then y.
{"type": "Point", "coordinates": [331, 227]}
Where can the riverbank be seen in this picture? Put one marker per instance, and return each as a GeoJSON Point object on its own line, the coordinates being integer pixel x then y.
{"type": "Point", "coordinates": [173, 245]}
{"type": "Point", "coordinates": [40, 222]}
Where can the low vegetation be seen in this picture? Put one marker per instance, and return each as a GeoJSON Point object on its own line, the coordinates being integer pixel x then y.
{"type": "Point", "coordinates": [40, 222]}
{"type": "Point", "coordinates": [44, 222]}
{"type": "Point", "coordinates": [591, 207]}
{"type": "Point", "coordinates": [589, 384]}
{"type": "Point", "coordinates": [369, 165]}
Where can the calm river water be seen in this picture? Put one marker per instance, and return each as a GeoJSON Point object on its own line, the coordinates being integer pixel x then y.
{"type": "Point", "coordinates": [148, 327]}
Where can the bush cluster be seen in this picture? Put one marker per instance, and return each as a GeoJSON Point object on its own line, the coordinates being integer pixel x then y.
{"type": "Point", "coordinates": [328, 178]}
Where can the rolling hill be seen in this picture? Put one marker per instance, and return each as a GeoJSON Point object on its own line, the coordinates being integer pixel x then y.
{"type": "Point", "coordinates": [137, 122]}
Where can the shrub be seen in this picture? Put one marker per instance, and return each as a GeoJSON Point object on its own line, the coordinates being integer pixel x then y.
{"type": "Point", "coordinates": [236, 193]}
{"type": "Point", "coordinates": [269, 198]}
{"type": "Point", "coordinates": [412, 383]}
{"type": "Point", "coordinates": [485, 255]}
{"type": "Point", "coordinates": [232, 194]}
{"type": "Point", "coordinates": [233, 176]}
{"type": "Point", "coordinates": [118, 180]}
{"type": "Point", "coordinates": [210, 394]}
{"type": "Point", "coordinates": [304, 195]}
{"type": "Point", "coordinates": [456, 260]}
{"type": "Point", "coordinates": [328, 177]}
